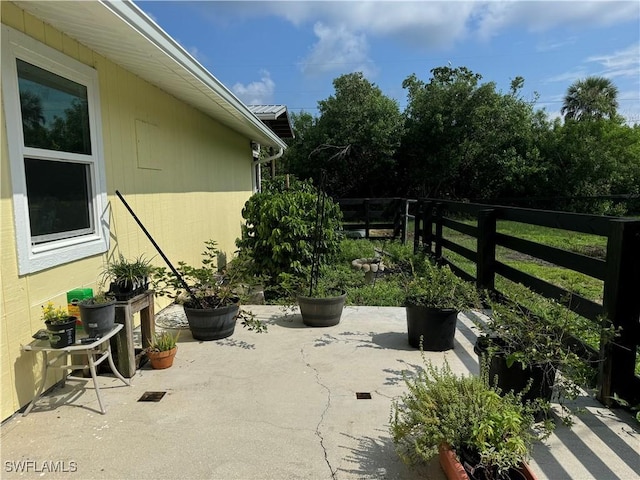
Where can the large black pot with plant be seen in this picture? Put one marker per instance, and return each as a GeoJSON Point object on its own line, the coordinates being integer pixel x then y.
{"type": "Point", "coordinates": [525, 341]}
{"type": "Point", "coordinates": [211, 303]}
{"type": "Point", "coordinates": [507, 374]}
{"type": "Point", "coordinates": [98, 314]}
{"type": "Point", "coordinates": [434, 297]}
{"type": "Point", "coordinates": [215, 321]}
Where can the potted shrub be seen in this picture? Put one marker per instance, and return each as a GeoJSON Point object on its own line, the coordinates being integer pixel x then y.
{"type": "Point", "coordinates": [433, 298]}
{"type": "Point", "coordinates": [212, 304]}
{"type": "Point", "coordinates": [98, 314]}
{"type": "Point", "coordinates": [61, 327]}
{"type": "Point", "coordinates": [127, 278]}
{"type": "Point", "coordinates": [280, 228]}
{"type": "Point", "coordinates": [162, 350]}
{"type": "Point", "coordinates": [525, 342]}
{"type": "Point", "coordinates": [478, 433]}
{"type": "Point", "coordinates": [321, 302]}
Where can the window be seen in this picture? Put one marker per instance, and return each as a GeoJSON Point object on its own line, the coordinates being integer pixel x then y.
{"type": "Point", "coordinates": [52, 114]}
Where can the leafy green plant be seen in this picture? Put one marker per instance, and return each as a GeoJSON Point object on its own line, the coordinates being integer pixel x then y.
{"type": "Point", "coordinates": [280, 223]}
{"type": "Point", "coordinates": [466, 414]}
{"type": "Point", "coordinates": [54, 315]}
{"type": "Point", "coordinates": [437, 286]}
{"type": "Point", "coordinates": [539, 335]}
{"type": "Point", "coordinates": [127, 273]}
{"type": "Point", "coordinates": [163, 342]}
{"type": "Point", "coordinates": [99, 298]}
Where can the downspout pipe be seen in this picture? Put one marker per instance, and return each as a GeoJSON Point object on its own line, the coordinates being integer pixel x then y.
{"type": "Point", "coordinates": [272, 157]}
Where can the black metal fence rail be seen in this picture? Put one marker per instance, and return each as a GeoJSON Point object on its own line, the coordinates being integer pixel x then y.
{"type": "Point", "coordinates": [620, 271]}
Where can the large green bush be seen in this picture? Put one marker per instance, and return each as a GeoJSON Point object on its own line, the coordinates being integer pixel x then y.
{"type": "Point", "coordinates": [278, 235]}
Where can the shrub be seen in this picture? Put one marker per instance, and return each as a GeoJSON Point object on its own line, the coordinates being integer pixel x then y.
{"type": "Point", "coordinates": [279, 228]}
{"type": "Point", "coordinates": [465, 413]}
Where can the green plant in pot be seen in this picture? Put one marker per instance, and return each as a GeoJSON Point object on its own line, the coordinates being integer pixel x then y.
{"type": "Point", "coordinates": [98, 314]}
{"type": "Point", "coordinates": [61, 327]}
{"type": "Point", "coordinates": [321, 305]}
{"type": "Point", "coordinates": [127, 278]}
{"type": "Point", "coordinates": [210, 296]}
{"type": "Point", "coordinates": [162, 350]}
{"type": "Point", "coordinates": [462, 418]}
{"type": "Point", "coordinates": [526, 341]}
{"type": "Point", "coordinates": [281, 226]}
{"type": "Point", "coordinates": [434, 297]}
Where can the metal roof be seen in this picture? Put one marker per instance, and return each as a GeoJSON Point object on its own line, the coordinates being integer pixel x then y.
{"type": "Point", "coordinates": [124, 34]}
{"type": "Point", "coordinates": [276, 117]}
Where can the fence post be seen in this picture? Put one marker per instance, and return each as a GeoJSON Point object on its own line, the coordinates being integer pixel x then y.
{"type": "Point", "coordinates": [418, 226]}
{"type": "Point", "coordinates": [397, 217]}
{"type": "Point", "coordinates": [405, 222]}
{"type": "Point", "coordinates": [621, 305]}
{"type": "Point", "coordinates": [427, 226]}
{"type": "Point", "coordinates": [438, 235]}
{"type": "Point", "coordinates": [486, 250]}
{"type": "Point", "coordinates": [366, 217]}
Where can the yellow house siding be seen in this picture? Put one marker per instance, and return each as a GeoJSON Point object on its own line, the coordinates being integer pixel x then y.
{"type": "Point", "coordinates": [200, 179]}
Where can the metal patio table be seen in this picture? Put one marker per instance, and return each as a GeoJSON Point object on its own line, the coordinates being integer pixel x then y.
{"type": "Point", "coordinates": [95, 356]}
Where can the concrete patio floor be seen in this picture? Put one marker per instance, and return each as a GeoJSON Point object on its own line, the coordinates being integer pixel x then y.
{"type": "Point", "coordinates": [280, 405]}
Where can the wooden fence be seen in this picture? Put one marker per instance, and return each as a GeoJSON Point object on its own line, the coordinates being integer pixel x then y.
{"type": "Point", "coordinates": [376, 217]}
{"type": "Point", "coordinates": [620, 271]}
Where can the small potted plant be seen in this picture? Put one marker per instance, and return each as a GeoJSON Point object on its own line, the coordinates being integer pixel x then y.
{"type": "Point", "coordinates": [478, 433]}
{"type": "Point", "coordinates": [525, 342]}
{"type": "Point", "coordinates": [127, 278]}
{"type": "Point", "coordinates": [162, 350]}
{"type": "Point", "coordinates": [61, 326]}
{"type": "Point", "coordinates": [434, 297]}
{"type": "Point", "coordinates": [98, 314]}
{"type": "Point", "coordinates": [212, 302]}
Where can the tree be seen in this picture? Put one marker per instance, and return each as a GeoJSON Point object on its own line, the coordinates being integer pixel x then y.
{"type": "Point", "coordinates": [464, 139]}
{"type": "Point", "coordinates": [591, 98]}
{"type": "Point", "coordinates": [354, 140]}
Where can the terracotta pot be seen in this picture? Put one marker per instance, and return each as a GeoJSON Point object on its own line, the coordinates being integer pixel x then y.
{"type": "Point", "coordinates": [454, 470]}
{"type": "Point", "coordinates": [161, 360]}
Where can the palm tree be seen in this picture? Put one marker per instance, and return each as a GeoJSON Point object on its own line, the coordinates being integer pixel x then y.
{"type": "Point", "coordinates": [591, 98]}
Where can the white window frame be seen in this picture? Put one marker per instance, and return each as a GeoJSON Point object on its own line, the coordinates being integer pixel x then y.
{"type": "Point", "coordinates": [33, 258]}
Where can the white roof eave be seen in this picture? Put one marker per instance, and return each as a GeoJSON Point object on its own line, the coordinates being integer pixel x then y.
{"type": "Point", "coordinates": [123, 33]}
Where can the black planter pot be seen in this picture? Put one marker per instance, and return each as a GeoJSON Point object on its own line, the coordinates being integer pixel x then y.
{"type": "Point", "coordinates": [98, 319]}
{"type": "Point", "coordinates": [436, 327]}
{"type": "Point", "coordinates": [517, 377]}
{"type": "Point", "coordinates": [62, 334]}
{"type": "Point", "coordinates": [470, 461]}
{"type": "Point", "coordinates": [212, 323]}
{"type": "Point", "coordinates": [124, 292]}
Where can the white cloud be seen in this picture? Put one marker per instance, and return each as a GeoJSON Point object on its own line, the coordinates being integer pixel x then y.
{"type": "Point", "coordinates": [337, 49]}
{"type": "Point", "coordinates": [436, 24]}
{"type": "Point", "coordinates": [258, 92]}
{"type": "Point", "coordinates": [492, 17]}
{"type": "Point", "coordinates": [623, 63]}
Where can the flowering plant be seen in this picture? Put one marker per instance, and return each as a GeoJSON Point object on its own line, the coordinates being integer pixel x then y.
{"type": "Point", "coordinates": [54, 315]}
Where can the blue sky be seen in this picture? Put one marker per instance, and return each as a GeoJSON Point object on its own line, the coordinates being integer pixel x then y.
{"type": "Point", "coordinates": [289, 52]}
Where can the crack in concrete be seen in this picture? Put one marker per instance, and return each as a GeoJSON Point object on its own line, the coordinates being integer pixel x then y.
{"type": "Point", "coordinates": [326, 409]}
